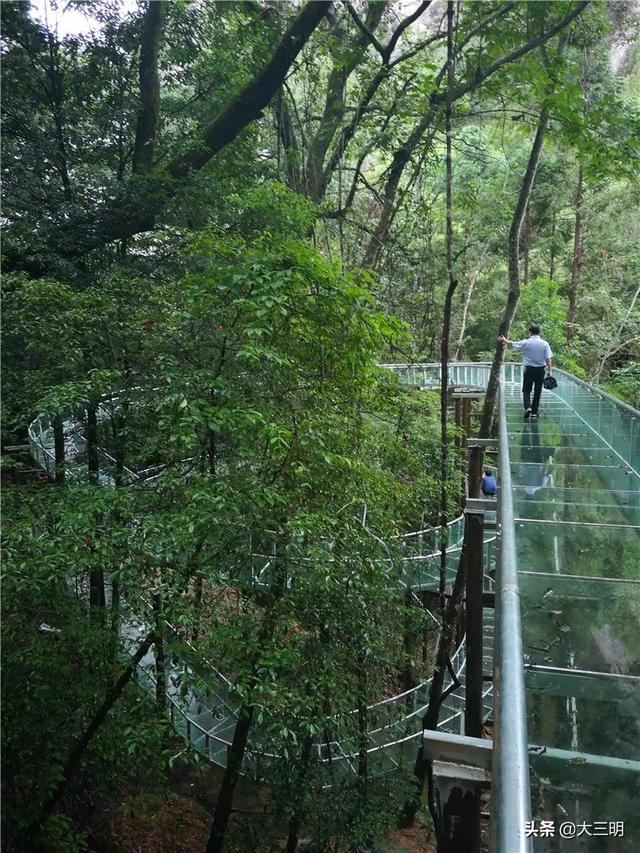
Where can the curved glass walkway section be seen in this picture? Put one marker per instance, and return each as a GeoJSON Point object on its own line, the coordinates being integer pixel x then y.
{"type": "Point", "coordinates": [207, 721]}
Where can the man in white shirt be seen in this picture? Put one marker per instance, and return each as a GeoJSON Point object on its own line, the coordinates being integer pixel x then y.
{"type": "Point", "coordinates": [536, 353]}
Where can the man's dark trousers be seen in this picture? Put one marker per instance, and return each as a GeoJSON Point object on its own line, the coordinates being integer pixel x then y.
{"type": "Point", "coordinates": [533, 377]}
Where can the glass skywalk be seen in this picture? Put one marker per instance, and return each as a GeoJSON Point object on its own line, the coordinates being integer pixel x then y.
{"type": "Point", "coordinates": [576, 490]}
{"type": "Point", "coordinates": [575, 479]}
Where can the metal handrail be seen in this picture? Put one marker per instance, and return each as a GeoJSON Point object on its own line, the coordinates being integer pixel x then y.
{"type": "Point", "coordinates": [594, 389]}
{"type": "Point", "coordinates": [511, 802]}
{"type": "Point", "coordinates": [397, 364]}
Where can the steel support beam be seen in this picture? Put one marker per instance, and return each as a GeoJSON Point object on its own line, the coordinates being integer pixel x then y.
{"type": "Point", "coordinates": [481, 505]}
{"type": "Point", "coordinates": [458, 749]}
{"type": "Point", "coordinates": [466, 415]}
{"type": "Point", "coordinates": [487, 443]}
{"type": "Point", "coordinates": [572, 764]}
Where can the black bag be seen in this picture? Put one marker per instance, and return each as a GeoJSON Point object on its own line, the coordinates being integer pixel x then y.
{"type": "Point", "coordinates": [549, 382]}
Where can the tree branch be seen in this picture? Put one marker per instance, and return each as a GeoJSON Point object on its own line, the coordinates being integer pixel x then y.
{"type": "Point", "coordinates": [334, 107]}
{"type": "Point", "coordinates": [347, 133]}
{"type": "Point", "coordinates": [437, 99]}
{"type": "Point", "coordinates": [132, 214]}
{"type": "Point", "coordinates": [364, 29]}
{"type": "Point", "coordinates": [255, 96]}
{"type": "Point", "coordinates": [532, 44]}
{"type": "Point", "coordinates": [402, 26]}
{"type": "Point", "coordinates": [73, 761]}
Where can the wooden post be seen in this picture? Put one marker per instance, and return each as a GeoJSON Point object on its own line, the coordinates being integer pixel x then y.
{"type": "Point", "coordinates": [462, 811]}
{"type": "Point", "coordinates": [466, 416]}
{"type": "Point", "coordinates": [460, 445]}
{"type": "Point", "coordinates": [457, 402]}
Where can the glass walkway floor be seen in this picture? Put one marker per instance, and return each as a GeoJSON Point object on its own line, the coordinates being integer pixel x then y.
{"type": "Point", "coordinates": [576, 493]}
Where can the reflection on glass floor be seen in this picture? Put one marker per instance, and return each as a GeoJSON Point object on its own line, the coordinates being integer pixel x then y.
{"type": "Point", "coordinates": [577, 504]}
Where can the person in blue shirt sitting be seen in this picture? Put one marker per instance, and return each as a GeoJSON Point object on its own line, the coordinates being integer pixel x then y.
{"type": "Point", "coordinates": [489, 486]}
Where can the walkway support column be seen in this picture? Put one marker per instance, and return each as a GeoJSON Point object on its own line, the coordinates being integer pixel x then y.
{"type": "Point", "coordinates": [457, 405]}
{"type": "Point", "coordinates": [466, 415]}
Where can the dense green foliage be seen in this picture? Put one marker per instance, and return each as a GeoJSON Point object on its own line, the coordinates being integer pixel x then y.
{"type": "Point", "coordinates": [217, 290]}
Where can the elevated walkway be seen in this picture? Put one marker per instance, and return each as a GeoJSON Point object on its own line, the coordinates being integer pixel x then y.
{"type": "Point", "coordinates": [207, 721]}
{"type": "Point", "coordinates": [573, 478]}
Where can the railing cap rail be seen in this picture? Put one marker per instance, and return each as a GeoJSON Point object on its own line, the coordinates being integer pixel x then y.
{"type": "Point", "coordinates": [594, 389]}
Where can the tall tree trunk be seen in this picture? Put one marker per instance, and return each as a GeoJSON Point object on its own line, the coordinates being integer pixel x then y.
{"type": "Point", "coordinates": [238, 748]}
{"type": "Point", "coordinates": [56, 99]}
{"type": "Point", "coordinates": [96, 576]}
{"type": "Point", "coordinates": [552, 254]}
{"type": "Point", "coordinates": [513, 293]}
{"type": "Point", "coordinates": [118, 426]}
{"type": "Point", "coordinates": [58, 448]}
{"type": "Point", "coordinates": [119, 429]}
{"type": "Point", "coordinates": [288, 143]}
{"type": "Point", "coordinates": [430, 720]}
{"type": "Point", "coordinates": [408, 644]}
{"type": "Point", "coordinates": [527, 246]}
{"type": "Point", "coordinates": [149, 108]}
{"type": "Point", "coordinates": [211, 435]}
{"type": "Point", "coordinates": [75, 756]}
{"type": "Point", "coordinates": [363, 736]}
{"type": "Point", "coordinates": [401, 157]}
{"type": "Point", "coordinates": [161, 689]}
{"type": "Point", "coordinates": [467, 302]}
{"type": "Point", "coordinates": [347, 58]}
{"type": "Point", "coordinates": [92, 444]}
{"type": "Point", "coordinates": [224, 802]}
{"type": "Point", "coordinates": [298, 796]}
{"type": "Point", "coordinates": [446, 320]}
{"type": "Point", "coordinates": [576, 260]}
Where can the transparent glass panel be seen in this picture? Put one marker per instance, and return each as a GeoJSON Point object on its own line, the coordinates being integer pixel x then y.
{"type": "Point", "coordinates": [581, 622]}
{"type": "Point", "coordinates": [576, 490]}
{"type": "Point", "coordinates": [571, 548]}
{"type": "Point", "coordinates": [598, 805]}
{"type": "Point", "coordinates": [584, 713]}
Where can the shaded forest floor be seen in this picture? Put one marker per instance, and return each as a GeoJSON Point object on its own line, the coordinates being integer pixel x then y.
{"type": "Point", "coordinates": [179, 821]}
